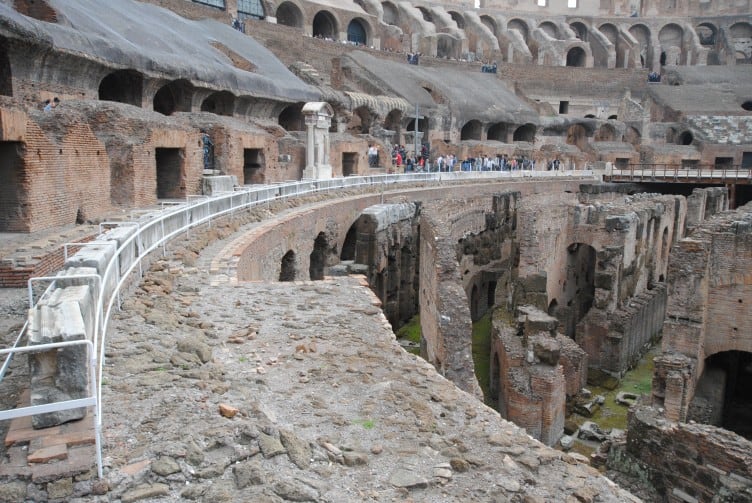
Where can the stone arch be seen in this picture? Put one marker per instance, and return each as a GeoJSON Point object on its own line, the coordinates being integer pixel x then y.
{"type": "Point", "coordinates": [427, 17]}
{"type": "Point", "coordinates": [671, 39]}
{"type": "Point", "coordinates": [606, 132]}
{"type": "Point", "coordinates": [458, 19]}
{"type": "Point", "coordinates": [520, 26]}
{"type": "Point", "coordinates": [361, 120]}
{"type": "Point", "coordinates": [741, 40]}
{"type": "Point", "coordinates": [288, 267]}
{"type": "Point", "coordinates": [422, 125]}
{"type": "Point", "coordinates": [122, 86]}
{"type": "Point", "coordinates": [490, 23]}
{"type": "Point", "coordinates": [553, 308]}
{"type": "Point", "coordinates": [393, 122]}
{"type": "Point", "coordinates": [325, 25]}
{"type": "Point", "coordinates": [580, 30]}
{"type": "Point", "coordinates": [472, 130]}
{"type": "Point", "coordinates": [321, 257]}
{"type": "Point", "coordinates": [579, 286]}
{"type": "Point", "coordinates": [220, 103]}
{"type": "Point", "coordinates": [291, 118]}
{"type": "Point", "coordinates": [6, 75]}
{"type": "Point", "coordinates": [641, 33]}
{"type": "Point", "coordinates": [391, 13]}
{"type": "Point", "coordinates": [175, 96]}
{"type": "Point", "coordinates": [576, 57]}
{"type": "Point", "coordinates": [610, 31]}
{"type": "Point", "coordinates": [498, 132]}
{"type": "Point", "coordinates": [526, 132]}
{"type": "Point", "coordinates": [289, 14]}
{"type": "Point", "coordinates": [358, 31]}
{"type": "Point", "coordinates": [707, 33]}
{"type": "Point", "coordinates": [633, 136]}
{"type": "Point", "coordinates": [685, 138]}
{"type": "Point", "coordinates": [550, 28]}
{"type": "Point", "coordinates": [577, 136]}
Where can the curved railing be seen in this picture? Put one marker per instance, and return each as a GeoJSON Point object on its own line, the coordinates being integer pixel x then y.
{"type": "Point", "coordinates": [137, 239]}
{"type": "Point", "coordinates": [675, 173]}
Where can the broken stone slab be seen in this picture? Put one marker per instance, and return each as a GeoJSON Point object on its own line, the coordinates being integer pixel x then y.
{"type": "Point", "coordinates": [60, 374]}
{"type": "Point", "coordinates": [591, 431]}
{"type": "Point", "coordinates": [120, 235]}
{"type": "Point", "coordinates": [624, 398]}
{"type": "Point", "coordinates": [588, 408]}
{"type": "Point", "coordinates": [96, 254]}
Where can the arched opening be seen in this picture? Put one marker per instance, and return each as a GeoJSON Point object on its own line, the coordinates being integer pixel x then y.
{"type": "Point", "coordinates": [361, 120]}
{"type": "Point", "coordinates": [685, 138]}
{"type": "Point", "coordinates": [422, 125]}
{"type": "Point", "coordinates": [14, 196]}
{"type": "Point", "coordinates": [577, 136]}
{"type": "Point", "coordinates": [498, 132]}
{"type": "Point", "coordinates": [589, 116]}
{"type": "Point", "coordinates": [632, 135]}
{"type": "Point", "coordinates": [289, 14]}
{"type": "Point", "coordinates": [220, 103]}
{"type": "Point", "coordinates": [318, 258]}
{"type": "Point", "coordinates": [741, 40]}
{"type": "Point", "coordinates": [576, 57]}
{"type": "Point", "coordinates": [489, 23]}
{"type": "Point", "coordinates": [391, 14]}
{"type": "Point", "coordinates": [174, 97]}
{"type": "Point", "coordinates": [348, 247]}
{"type": "Point", "coordinates": [553, 308]}
{"type": "Point", "coordinates": [641, 33]}
{"type": "Point", "coordinates": [6, 81]}
{"type": "Point", "coordinates": [706, 33]}
{"type": "Point", "coordinates": [610, 32]}
{"type": "Point", "coordinates": [550, 29]}
{"type": "Point", "coordinates": [447, 47]}
{"type": "Point", "coordinates": [393, 122]}
{"type": "Point", "coordinates": [723, 396]}
{"type": "Point", "coordinates": [253, 166]}
{"type": "Point", "coordinates": [426, 14]}
{"type": "Point", "coordinates": [474, 307]}
{"type": "Point", "coordinates": [747, 105]}
{"type": "Point", "coordinates": [613, 117]}
{"type": "Point", "coordinates": [356, 32]}
{"type": "Point", "coordinates": [605, 133]}
{"type": "Point", "coordinates": [471, 130]}
{"type": "Point", "coordinates": [525, 132]}
{"type": "Point", "coordinates": [671, 39]}
{"type": "Point", "coordinates": [325, 25]}
{"type": "Point", "coordinates": [458, 19]}
{"type": "Point", "coordinates": [580, 30]}
{"type": "Point", "coordinates": [291, 118]}
{"type": "Point", "coordinates": [520, 26]}
{"type": "Point", "coordinates": [579, 287]}
{"type": "Point", "coordinates": [123, 86]}
{"type": "Point", "coordinates": [287, 271]}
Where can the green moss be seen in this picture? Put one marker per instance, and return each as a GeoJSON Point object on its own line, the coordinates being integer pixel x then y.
{"type": "Point", "coordinates": [638, 380]}
{"type": "Point", "coordinates": [411, 332]}
{"type": "Point", "coordinates": [482, 353]}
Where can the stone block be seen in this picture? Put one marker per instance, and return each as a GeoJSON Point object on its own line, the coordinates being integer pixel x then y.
{"type": "Point", "coordinates": [218, 184]}
{"type": "Point", "coordinates": [58, 375]}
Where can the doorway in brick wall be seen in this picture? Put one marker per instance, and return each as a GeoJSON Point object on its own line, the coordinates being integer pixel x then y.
{"type": "Point", "coordinates": [170, 178]}
{"type": "Point", "coordinates": [253, 166]}
{"type": "Point", "coordinates": [349, 163]}
{"type": "Point", "coordinates": [6, 86]}
{"type": "Point", "coordinates": [13, 188]}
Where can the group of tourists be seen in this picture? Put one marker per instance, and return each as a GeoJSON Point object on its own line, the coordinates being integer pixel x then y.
{"type": "Point", "coordinates": [49, 104]}
{"type": "Point", "coordinates": [413, 58]}
{"type": "Point", "coordinates": [654, 77]}
{"type": "Point", "coordinates": [488, 68]}
{"type": "Point", "coordinates": [402, 161]}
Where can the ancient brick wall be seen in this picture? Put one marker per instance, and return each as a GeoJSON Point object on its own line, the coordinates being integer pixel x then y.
{"type": "Point", "coordinates": [686, 462]}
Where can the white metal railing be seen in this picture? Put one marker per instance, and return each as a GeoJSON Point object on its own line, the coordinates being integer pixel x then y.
{"type": "Point", "coordinates": [153, 230]}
